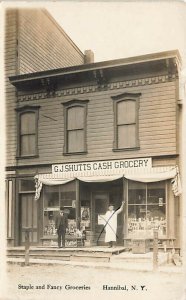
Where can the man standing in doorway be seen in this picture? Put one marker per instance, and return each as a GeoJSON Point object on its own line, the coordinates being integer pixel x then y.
{"type": "Point", "coordinates": [61, 224]}
{"type": "Point", "coordinates": [111, 224]}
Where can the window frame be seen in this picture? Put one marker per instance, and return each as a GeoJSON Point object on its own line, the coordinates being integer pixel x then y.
{"type": "Point", "coordinates": [67, 106]}
{"type": "Point", "coordinates": [146, 204]}
{"type": "Point", "coordinates": [21, 111]}
{"type": "Point", "coordinates": [118, 99]}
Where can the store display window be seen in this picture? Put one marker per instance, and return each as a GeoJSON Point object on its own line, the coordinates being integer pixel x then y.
{"type": "Point", "coordinates": [146, 209]}
{"type": "Point", "coordinates": [54, 197]}
{"type": "Point", "coordinates": [85, 215]}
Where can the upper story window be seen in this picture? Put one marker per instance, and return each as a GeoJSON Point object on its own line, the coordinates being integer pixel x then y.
{"type": "Point", "coordinates": [27, 131]}
{"type": "Point", "coordinates": [126, 115]}
{"type": "Point", "coordinates": [75, 126]}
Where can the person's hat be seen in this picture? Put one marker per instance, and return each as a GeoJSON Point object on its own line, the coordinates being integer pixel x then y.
{"type": "Point", "coordinates": [62, 208]}
{"type": "Point", "coordinates": [111, 204]}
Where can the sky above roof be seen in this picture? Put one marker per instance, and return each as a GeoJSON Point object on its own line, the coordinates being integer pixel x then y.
{"type": "Point", "coordinates": [122, 29]}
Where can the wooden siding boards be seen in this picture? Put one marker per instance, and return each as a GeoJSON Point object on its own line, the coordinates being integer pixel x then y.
{"type": "Point", "coordinates": [157, 126]}
{"type": "Point", "coordinates": [10, 69]}
{"type": "Point", "coordinates": [42, 45]}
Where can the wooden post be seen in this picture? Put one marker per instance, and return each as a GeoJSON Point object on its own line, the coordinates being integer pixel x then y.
{"type": "Point", "coordinates": [125, 211]}
{"type": "Point", "coordinates": [155, 250]}
{"type": "Point", "coordinates": [77, 205]}
{"type": "Point", "coordinates": [27, 246]}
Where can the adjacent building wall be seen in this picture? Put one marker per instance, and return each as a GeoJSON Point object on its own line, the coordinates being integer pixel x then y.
{"type": "Point", "coordinates": [43, 44]}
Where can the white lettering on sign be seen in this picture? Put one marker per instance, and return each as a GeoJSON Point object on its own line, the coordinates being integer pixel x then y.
{"type": "Point", "coordinates": [101, 167]}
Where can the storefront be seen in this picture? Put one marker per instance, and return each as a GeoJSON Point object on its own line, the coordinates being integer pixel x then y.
{"type": "Point", "coordinates": [86, 189]}
{"type": "Point", "coordinates": [94, 134]}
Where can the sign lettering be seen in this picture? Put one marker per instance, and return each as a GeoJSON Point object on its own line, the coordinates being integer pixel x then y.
{"type": "Point", "coordinates": [101, 167]}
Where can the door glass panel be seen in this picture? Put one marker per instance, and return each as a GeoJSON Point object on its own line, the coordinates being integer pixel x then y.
{"type": "Point", "coordinates": [34, 237]}
{"type": "Point", "coordinates": [34, 213]}
{"type": "Point", "coordinates": [30, 211]}
{"type": "Point", "coordinates": [23, 237]}
{"type": "Point", "coordinates": [24, 212]}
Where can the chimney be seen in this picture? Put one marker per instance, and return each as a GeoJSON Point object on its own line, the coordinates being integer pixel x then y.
{"type": "Point", "coordinates": [89, 57]}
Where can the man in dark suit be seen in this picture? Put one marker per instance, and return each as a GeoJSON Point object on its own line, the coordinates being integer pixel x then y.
{"type": "Point", "coordinates": [61, 224]}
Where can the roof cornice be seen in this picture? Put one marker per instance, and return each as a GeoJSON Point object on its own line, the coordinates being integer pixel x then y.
{"type": "Point", "coordinates": [56, 73]}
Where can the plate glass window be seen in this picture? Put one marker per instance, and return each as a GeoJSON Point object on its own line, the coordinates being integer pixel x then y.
{"type": "Point", "coordinates": [147, 209]}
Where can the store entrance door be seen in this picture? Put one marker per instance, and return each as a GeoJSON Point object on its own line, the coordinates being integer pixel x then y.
{"type": "Point", "coordinates": [100, 202]}
{"type": "Point", "coordinates": [28, 217]}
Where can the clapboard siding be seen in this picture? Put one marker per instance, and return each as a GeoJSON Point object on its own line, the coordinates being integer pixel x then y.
{"type": "Point", "coordinates": [10, 69]}
{"type": "Point", "coordinates": [157, 125]}
{"type": "Point", "coordinates": [43, 45]}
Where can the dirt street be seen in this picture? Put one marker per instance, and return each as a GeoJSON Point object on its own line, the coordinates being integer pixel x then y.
{"type": "Point", "coordinates": [73, 282]}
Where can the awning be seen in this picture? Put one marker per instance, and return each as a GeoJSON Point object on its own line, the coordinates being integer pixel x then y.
{"type": "Point", "coordinates": [100, 178]}
{"type": "Point", "coordinates": [153, 175]}
{"type": "Point", "coordinates": [148, 175]}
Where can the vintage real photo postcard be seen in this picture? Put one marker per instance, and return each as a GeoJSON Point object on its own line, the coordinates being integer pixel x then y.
{"type": "Point", "coordinates": [93, 132]}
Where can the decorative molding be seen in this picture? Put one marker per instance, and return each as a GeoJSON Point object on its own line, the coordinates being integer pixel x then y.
{"type": "Point", "coordinates": [99, 87]}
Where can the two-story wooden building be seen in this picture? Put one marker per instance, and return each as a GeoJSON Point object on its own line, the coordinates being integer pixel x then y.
{"type": "Point", "coordinates": [92, 134]}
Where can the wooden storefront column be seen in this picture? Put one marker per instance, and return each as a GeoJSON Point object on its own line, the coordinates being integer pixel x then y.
{"type": "Point", "coordinates": [77, 205]}
{"type": "Point", "coordinates": [125, 199]}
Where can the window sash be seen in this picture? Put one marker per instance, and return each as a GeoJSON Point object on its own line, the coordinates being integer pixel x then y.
{"type": "Point", "coordinates": [126, 112]}
{"type": "Point", "coordinates": [75, 114]}
{"type": "Point", "coordinates": [28, 144]}
{"type": "Point", "coordinates": [126, 121]}
{"type": "Point", "coordinates": [75, 118]}
{"type": "Point", "coordinates": [126, 136]}
{"type": "Point", "coordinates": [28, 123]}
{"type": "Point", "coordinates": [75, 140]}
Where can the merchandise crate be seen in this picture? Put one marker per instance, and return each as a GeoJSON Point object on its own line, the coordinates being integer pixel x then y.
{"type": "Point", "coordinates": [140, 246]}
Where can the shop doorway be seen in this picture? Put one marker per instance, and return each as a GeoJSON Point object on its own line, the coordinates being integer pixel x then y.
{"type": "Point", "coordinates": [28, 215]}
{"type": "Point", "coordinates": [100, 201]}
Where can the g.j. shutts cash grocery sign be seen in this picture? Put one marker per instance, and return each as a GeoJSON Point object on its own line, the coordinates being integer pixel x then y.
{"type": "Point", "coordinates": [102, 167]}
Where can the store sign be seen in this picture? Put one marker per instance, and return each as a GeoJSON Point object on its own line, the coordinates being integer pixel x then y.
{"type": "Point", "coordinates": [101, 167]}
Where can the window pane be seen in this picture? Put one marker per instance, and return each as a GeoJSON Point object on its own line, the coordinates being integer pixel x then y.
{"type": "Point", "coordinates": [28, 123]}
{"type": "Point", "coordinates": [127, 136]}
{"type": "Point", "coordinates": [51, 196]}
{"type": "Point", "coordinates": [28, 144]}
{"type": "Point", "coordinates": [75, 118]}
{"type": "Point", "coordinates": [137, 211]}
{"type": "Point", "coordinates": [26, 185]}
{"type": "Point", "coordinates": [137, 193]}
{"type": "Point", "coordinates": [68, 187]}
{"type": "Point", "coordinates": [126, 112]}
{"type": "Point", "coordinates": [76, 141]}
{"type": "Point", "coordinates": [156, 193]}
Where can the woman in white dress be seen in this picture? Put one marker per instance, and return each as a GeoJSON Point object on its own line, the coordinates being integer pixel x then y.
{"type": "Point", "coordinates": [111, 223]}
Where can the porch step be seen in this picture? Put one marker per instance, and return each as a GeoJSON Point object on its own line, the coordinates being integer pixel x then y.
{"type": "Point", "coordinates": [92, 254]}
{"type": "Point", "coordinates": [147, 258]}
{"type": "Point", "coordinates": [85, 257]}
